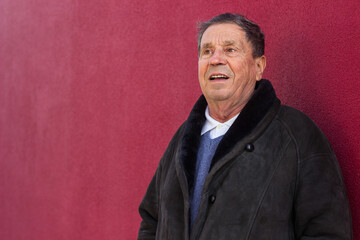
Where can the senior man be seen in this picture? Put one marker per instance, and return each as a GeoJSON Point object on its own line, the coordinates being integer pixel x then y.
{"type": "Point", "coordinates": [243, 166]}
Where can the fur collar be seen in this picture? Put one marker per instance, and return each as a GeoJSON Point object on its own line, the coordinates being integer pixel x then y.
{"type": "Point", "coordinates": [254, 111]}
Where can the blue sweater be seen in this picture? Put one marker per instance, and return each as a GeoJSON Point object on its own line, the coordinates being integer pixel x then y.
{"type": "Point", "coordinates": [205, 154]}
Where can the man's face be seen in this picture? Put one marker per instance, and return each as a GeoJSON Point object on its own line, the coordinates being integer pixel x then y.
{"type": "Point", "coordinates": [227, 70]}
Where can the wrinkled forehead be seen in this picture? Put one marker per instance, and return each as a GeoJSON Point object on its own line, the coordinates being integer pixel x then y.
{"type": "Point", "coordinates": [223, 34]}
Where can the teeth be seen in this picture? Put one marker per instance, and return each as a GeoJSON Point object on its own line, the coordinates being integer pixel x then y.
{"type": "Point", "coordinates": [218, 76]}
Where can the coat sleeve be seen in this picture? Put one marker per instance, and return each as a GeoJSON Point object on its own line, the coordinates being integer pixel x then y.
{"type": "Point", "coordinates": [149, 207]}
{"type": "Point", "coordinates": [148, 210]}
{"type": "Point", "coordinates": [321, 205]}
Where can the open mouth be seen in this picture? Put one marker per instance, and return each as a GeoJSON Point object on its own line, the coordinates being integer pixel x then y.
{"type": "Point", "coordinates": [218, 77]}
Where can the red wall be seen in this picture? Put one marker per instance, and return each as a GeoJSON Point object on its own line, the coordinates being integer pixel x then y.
{"type": "Point", "coordinates": [91, 92]}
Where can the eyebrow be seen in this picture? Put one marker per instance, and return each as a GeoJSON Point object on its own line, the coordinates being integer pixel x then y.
{"type": "Point", "coordinates": [225, 43]}
{"type": "Point", "coordinates": [206, 45]}
{"type": "Point", "coordinates": [228, 43]}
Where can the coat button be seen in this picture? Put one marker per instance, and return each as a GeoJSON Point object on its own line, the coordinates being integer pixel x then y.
{"type": "Point", "coordinates": [212, 198]}
{"type": "Point", "coordinates": [250, 147]}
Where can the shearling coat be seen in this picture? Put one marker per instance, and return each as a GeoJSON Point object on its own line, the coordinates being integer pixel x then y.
{"type": "Point", "coordinates": [274, 176]}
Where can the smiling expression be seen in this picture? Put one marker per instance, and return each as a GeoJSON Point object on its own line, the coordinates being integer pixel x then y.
{"type": "Point", "coordinates": [227, 69]}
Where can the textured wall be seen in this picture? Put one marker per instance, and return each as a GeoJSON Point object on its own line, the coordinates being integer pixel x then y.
{"type": "Point", "coordinates": [92, 91]}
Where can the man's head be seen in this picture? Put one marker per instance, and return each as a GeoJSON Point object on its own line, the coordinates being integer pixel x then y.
{"type": "Point", "coordinates": [231, 60]}
{"type": "Point", "coordinates": [253, 32]}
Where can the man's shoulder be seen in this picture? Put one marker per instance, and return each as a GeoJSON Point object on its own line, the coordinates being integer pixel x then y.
{"type": "Point", "coordinates": [175, 139]}
{"type": "Point", "coordinates": [295, 118]}
{"type": "Point", "coordinates": [178, 135]}
{"type": "Point", "coordinates": [288, 112]}
{"type": "Point", "coordinates": [303, 130]}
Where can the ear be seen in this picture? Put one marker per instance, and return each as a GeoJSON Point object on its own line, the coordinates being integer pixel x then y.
{"type": "Point", "coordinates": [260, 64]}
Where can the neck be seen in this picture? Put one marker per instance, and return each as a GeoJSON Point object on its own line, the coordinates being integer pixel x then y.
{"type": "Point", "coordinates": [222, 113]}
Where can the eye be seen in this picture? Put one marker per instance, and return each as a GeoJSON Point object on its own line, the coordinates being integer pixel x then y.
{"type": "Point", "coordinates": [230, 50]}
{"type": "Point", "coordinates": [207, 52]}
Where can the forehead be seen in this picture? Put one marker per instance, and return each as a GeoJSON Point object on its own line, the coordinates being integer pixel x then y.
{"type": "Point", "coordinates": [223, 32]}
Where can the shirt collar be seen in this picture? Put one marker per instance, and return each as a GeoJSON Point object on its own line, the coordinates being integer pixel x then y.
{"type": "Point", "coordinates": [211, 123]}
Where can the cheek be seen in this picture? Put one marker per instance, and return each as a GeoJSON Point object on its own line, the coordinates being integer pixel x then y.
{"type": "Point", "coordinates": [202, 67]}
{"type": "Point", "coordinates": [245, 69]}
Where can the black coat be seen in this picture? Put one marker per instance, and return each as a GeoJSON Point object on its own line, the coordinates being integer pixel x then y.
{"type": "Point", "coordinates": [273, 176]}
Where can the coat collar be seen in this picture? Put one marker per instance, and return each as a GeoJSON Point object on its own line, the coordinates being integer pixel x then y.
{"type": "Point", "coordinates": [255, 110]}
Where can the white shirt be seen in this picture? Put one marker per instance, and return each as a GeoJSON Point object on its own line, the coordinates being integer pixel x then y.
{"type": "Point", "coordinates": [216, 128]}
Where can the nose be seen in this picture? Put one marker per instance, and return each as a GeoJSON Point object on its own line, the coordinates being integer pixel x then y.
{"type": "Point", "coordinates": [218, 58]}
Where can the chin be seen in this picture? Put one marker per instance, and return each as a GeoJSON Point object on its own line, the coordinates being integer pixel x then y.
{"type": "Point", "coordinates": [218, 96]}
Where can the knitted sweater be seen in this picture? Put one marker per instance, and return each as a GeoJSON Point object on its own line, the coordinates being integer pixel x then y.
{"type": "Point", "coordinates": [205, 154]}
